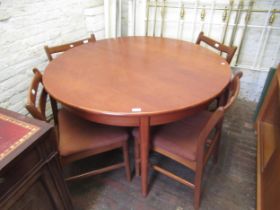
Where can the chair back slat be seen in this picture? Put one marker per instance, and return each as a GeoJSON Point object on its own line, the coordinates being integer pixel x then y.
{"type": "Point", "coordinates": [230, 51]}
{"type": "Point", "coordinates": [37, 109]}
{"type": "Point", "coordinates": [234, 90]}
{"type": "Point", "coordinates": [62, 48]}
{"type": "Point", "coordinates": [212, 123]}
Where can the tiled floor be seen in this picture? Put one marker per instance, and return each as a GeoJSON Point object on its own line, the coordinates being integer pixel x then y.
{"type": "Point", "coordinates": [229, 185]}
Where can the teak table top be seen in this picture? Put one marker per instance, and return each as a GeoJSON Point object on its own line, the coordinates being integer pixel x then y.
{"type": "Point", "coordinates": [115, 76]}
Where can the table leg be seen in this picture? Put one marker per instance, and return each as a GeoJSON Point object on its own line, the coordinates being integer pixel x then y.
{"type": "Point", "coordinates": [144, 139]}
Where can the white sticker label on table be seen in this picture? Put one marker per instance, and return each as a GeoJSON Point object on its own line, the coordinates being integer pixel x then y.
{"type": "Point", "coordinates": [136, 109]}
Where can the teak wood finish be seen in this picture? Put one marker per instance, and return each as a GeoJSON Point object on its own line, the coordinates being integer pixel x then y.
{"type": "Point", "coordinates": [268, 148]}
{"type": "Point", "coordinates": [78, 138]}
{"type": "Point", "coordinates": [62, 48]}
{"type": "Point", "coordinates": [137, 81]}
{"type": "Point", "coordinates": [204, 129]}
{"type": "Point", "coordinates": [230, 51]}
{"type": "Point", "coordinates": [191, 132]}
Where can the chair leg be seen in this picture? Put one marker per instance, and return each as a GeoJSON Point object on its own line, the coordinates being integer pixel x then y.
{"type": "Point", "coordinates": [197, 188]}
{"type": "Point", "coordinates": [126, 161]}
{"type": "Point", "coordinates": [216, 153]}
{"type": "Point", "coordinates": [216, 149]}
{"type": "Point", "coordinates": [137, 158]}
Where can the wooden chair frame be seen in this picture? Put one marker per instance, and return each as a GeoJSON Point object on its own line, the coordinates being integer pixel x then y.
{"type": "Point", "coordinates": [38, 112]}
{"type": "Point", "coordinates": [62, 48]}
{"type": "Point", "coordinates": [215, 122]}
{"type": "Point", "coordinates": [230, 51]}
{"type": "Point", "coordinates": [202, 155]}
{"type": "Point", "coordinates": [212, 145]}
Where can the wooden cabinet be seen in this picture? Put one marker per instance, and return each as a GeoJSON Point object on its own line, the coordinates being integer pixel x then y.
{"type": "Point", "coordinates": [31, 174]}
{"type": "Point", "coordinates": [268, 151]}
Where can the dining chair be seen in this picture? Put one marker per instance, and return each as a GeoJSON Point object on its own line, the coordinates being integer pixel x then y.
{"type": "Point", "coordinates": [62, 48]}
{"type": "Point", "coordinates": [230, 51]}
{"type": "Point", "coordinates": [78, 138]}
{"type": "Point", "coordinates": [191, 141]}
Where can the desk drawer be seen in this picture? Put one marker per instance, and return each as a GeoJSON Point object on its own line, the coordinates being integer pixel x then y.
{"type": "Point", "coordinates": [22, 166]}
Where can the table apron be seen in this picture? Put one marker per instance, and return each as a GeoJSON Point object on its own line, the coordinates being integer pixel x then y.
{"type": "Point", "coordinates": [134, 120]}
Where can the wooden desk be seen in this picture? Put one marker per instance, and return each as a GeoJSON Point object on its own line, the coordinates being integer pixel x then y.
{"type": "Point", "coordinates": [137, 81]}
{"type": "Point", "coordinates": [268, 147]}
{"type": "Point", "coordinates": [30, 172]}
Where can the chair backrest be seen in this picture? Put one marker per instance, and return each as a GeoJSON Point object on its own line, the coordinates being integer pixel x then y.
{"type": "Point", "coordinates": [37, 97]}
{"type": "Point", "coordinates": [217, 45]}
{"type": "Point", "coordinates": [213, 122]}
{"type": "Point", "coordinates": [62, 48]}
{"type": "Point", "coordinates": [234, 88]}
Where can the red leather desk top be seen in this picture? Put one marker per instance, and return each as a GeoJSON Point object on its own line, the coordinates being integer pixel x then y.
{"type": "Point", "coordinates": [13, 133]}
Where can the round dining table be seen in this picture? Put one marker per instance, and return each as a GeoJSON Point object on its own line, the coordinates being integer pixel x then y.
{"type": "Point", "coordinates": [137, 82]}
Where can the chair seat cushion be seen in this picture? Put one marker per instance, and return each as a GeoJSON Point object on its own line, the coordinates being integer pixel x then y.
{"type": "Point", "coordinates": [78, 135]}
{"type": "Point", "coordinates": [181, 137]}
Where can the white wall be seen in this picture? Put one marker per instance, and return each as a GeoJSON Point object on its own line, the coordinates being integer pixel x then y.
{"type": "Point", "coordinates": [251, 84]}
{"type": "Point", "coordinates": [26, 26]}
{"type": "Point", "coordinates": [95, 21]}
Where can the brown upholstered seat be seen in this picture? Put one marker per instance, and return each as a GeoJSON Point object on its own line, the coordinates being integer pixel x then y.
{"type": "Point", "coordinates": [182, 144]}
{"type": "Point", "coordinates": [78, 138]}
{"type": "Point", "coordinates": [78, 135]}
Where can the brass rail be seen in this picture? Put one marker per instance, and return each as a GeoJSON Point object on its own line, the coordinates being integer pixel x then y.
{"type": "Point", "coordinates": [272, 17]}
{"type": "Point", "coordinates": [155, 18]}
{"type": "Point", "coordinates": [236, 21]}
{"type": "Point", "coordinates": [181, 19]}
{"type": "Point", "coordinates": [209, 8]}
{"type": "Point", "coordinates": [247, 19]}
{"type": "Point", "coordinates": [162, 12]}
{"type": "Point", "coordinates": [203, 14]}
{"type": "Point", "coordinates": [182, 12]}
{"type": "Point", "coordinates": [227, 17]}
{"type": "Point", "coordinates": [147, 17]}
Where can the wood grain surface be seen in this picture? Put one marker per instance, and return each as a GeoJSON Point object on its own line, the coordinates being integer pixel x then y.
{"type": "Point", "coordinates": [158, 75]}
{"type": "Point", "coordinates": [137, 81]}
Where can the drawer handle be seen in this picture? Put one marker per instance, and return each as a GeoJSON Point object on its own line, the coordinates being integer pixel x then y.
{"type": "Point", "coordinates": [2, 180]}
